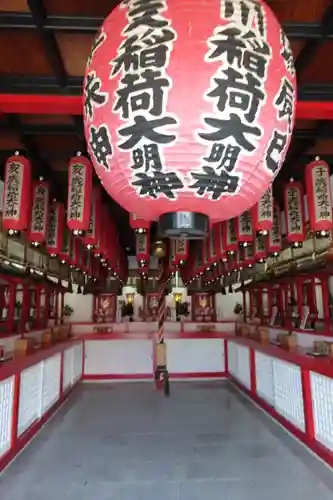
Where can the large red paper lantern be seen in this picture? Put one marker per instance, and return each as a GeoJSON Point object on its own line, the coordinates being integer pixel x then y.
{"type": "Point", "coordinates": [16, 194]}
{"type": "Point", "coordinates": [189, 108]}
{"type": "Point", "coordinates": [319, 196]}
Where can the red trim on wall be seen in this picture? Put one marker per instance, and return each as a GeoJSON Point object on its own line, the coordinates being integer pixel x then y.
{"type": "Point", "coordinates": [198, 375]}
{"type": "Point", "coordinates": [151, 336]}
{"type": "Point", "coordinates": [119, 376]}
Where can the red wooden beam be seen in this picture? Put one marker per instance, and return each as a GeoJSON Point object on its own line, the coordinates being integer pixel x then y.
{"type": "Point", "coordinates": [29, 104]}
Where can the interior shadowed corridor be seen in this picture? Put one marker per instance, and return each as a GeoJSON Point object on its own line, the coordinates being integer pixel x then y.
{"type": "Point", "coordinates": [126, 441]}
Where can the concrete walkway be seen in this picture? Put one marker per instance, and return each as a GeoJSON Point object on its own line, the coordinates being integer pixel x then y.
{"type": "Point", "coordinates": [127, 442]}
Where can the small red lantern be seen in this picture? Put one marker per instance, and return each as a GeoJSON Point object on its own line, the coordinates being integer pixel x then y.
{"type": "Point", "coordinates": [55, 228]}
{"type": "Point", "coordinates": [248, 256]}
{"type": "Point", "coordinates": [294, 213]}
{"type": "Point", "coordinates": [139, 225]}
{"type": "Point", "coordinates": [275, 235]}
{"type": "Point", "coordinates": [39, 212]}
{"type": "Point", "coordinates": [16, 194]}
{"type": "Point", "coordinates": [220, 249]}
{"type": "Point", "coordinates": [262, 214]}
{"type": "Point", "coordinates": [91, 237]}
{"type": "Point", "coordinates": [244, 231]}
{"type": "Point", "coordinates": [79, 194]}
{"type": "Point", "coordinates": [143, 248]}
{"type": "Point", "coordinates": [181, 250]}
{"type": "Point", "coordinates": [213, 251]}
{"type": "Point", "coordinates": [231, 140]}
{"type": "Point", "coordinates": [260, 248]}
{"type": "Point", "coordinates": [229, 236]}
{"type": "Point", "coordinates": [65, 254]}
{"type": "Point", "coordinates": [319, 196]}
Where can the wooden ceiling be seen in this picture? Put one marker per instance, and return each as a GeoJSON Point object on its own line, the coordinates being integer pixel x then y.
{"type": "Point", "coordinates": [44, 48]}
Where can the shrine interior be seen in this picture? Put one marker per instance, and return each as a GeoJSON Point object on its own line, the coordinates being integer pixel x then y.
{"type": "Point", "coordinates": [241, 308]}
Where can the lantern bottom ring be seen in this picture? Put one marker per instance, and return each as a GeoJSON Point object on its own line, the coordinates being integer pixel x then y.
{"type": "Point", "coordinates": [190, 225]}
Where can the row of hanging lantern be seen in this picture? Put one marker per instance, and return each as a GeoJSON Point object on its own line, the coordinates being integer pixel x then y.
{"type": "Point", "coordinates": [27, 207]}
{"type": "Point", "coordinates": [256, 234]}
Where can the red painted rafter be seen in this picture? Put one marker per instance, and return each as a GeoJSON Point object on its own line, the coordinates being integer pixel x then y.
{"type": "Point", "coordinates": [29, 104]}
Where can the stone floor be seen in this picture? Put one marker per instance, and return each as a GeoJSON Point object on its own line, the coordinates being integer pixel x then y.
{"type": "Point", "coordinates": [127, 442]}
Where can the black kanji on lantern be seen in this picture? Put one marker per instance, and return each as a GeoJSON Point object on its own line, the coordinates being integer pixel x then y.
{"type": "Point", "coordinates": [156, 183]}
{"type": "Point", "coordinates": [147, 157]}
{"type": "Point", "coordinates": [238, 91]}
{"type": "Point", "coordinates": [294, 210]}
{"type": "Point", "coordinates": [38, 210]}
{"type": "Point", "coordinates": [77, 192]}
{"type": "Point", "coordinates": [245, 223]}
{"type": "Point", "coordinates": [148, 129]}
{"type": "Point", "coordinates": [142, 96]}
{"type": "Point", "coordinates": [321, 187]}
{"type": "Point", "coordinates": [52, 227]}
{"type": "Point", "coordinates": [249, 12]}
{"type": "Point", "coordinates": [231, 231]}
{"type": "Point", "coordinates": [141, 241]}
{"type": "Point", "coordinates": [284, 102]}
{"type": "Point", "coordinates": [232, 127]}
{"type": "Point", "coordinates": [213, 183]}
{"type": "Point", "coordinates": [149, 50]}
{"type": "Point", "coordinates": [146, 13]}
{"type": "Point", "coordinates": [13, 189]}
{"type": "Point", "coordinates": [240, 49]}
{"type": "Point", "coordinates": [266, 206]}
{"type": "Point", "coordinates": [100, 143]}
{"type": "Point", "coordinates": [144, 92]}
{"type": "Point", "coordinates": [225, 155]}
{"type": "Point", "coordinates": [93, 97]}
{"type": "Point", "coordinates": [286, 53]}
{"type": "Point", "coordinates": [98, 41]}
{"type": "Point", "coordinates": [275, 234]}
{"type": "Point", "coordinates": [275, 150]}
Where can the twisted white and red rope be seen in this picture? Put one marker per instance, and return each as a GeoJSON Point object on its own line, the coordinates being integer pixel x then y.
{"type": "Point", "coordinates": [161, 305]}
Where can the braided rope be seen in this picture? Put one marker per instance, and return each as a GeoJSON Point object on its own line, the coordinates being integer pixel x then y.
{"type": "Point", "coordinates": [161, 306]}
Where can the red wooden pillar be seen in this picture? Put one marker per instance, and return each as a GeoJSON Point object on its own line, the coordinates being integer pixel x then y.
{"type": "Point", "coordinates": [326, 301]}
{"type": "Point", "coordinates": [308, 407]}
{"type": "Point", "coordinates": [260, 311]}
{"type": "Point", "coordinates": [56, 306]}
{"type": "Point", "coordinates": [25, 308]}
{"type": "Point", "coordinates": [286, 311]}
{"type": "Point", "coordinates": [270, 299]}
{"type": "Point", "coordinates": [11, 307]}
{"type": "Point", "coordinates": [244, 304]}
{"type": "Point", "coordinates": [62, 306]}
{"type": "Point", "coordinates": [38, 307]}
{"type": "Point", "coordinates": [299, 287]}
{"type": "Point", "coordinates": [251, 304]}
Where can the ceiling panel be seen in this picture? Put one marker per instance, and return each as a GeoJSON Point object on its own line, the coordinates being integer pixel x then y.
{"type": "Point", "coordinates": [22, 53]}
{"type": "Point", "coordinates": [74, 50]}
